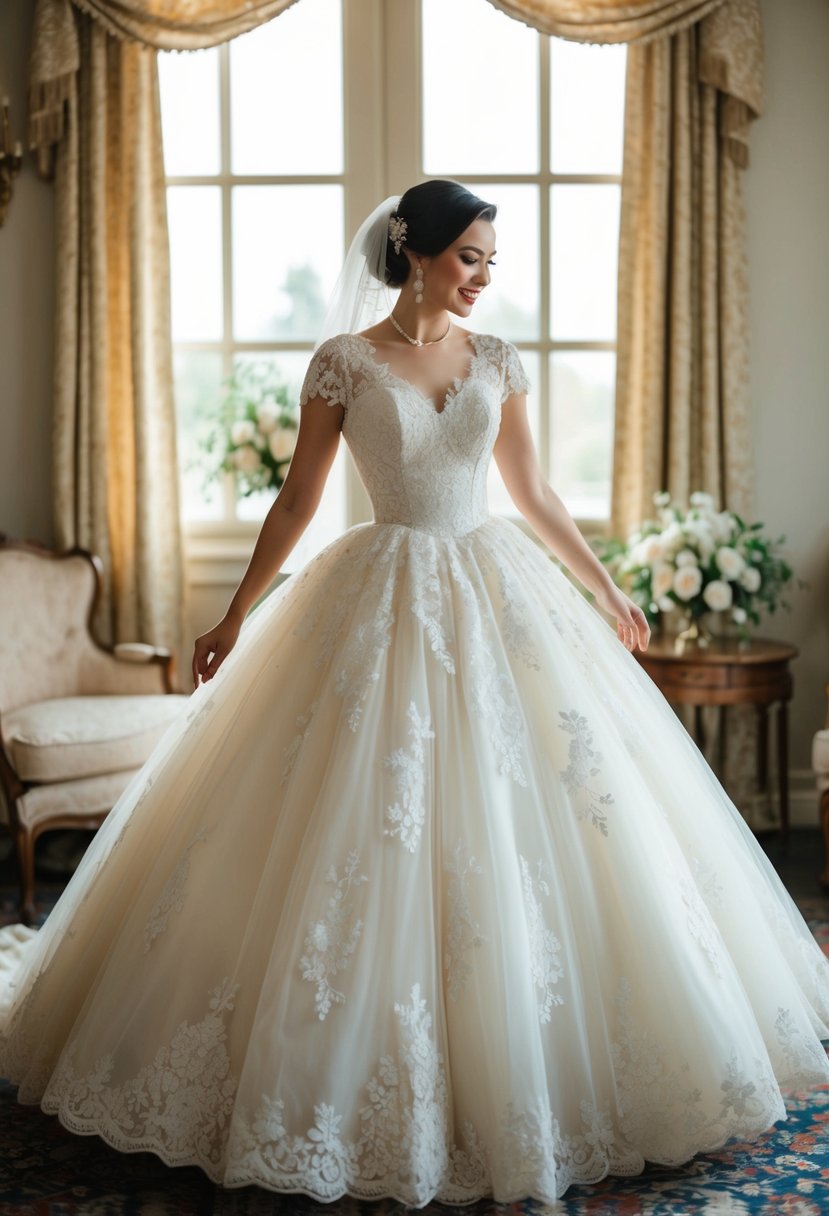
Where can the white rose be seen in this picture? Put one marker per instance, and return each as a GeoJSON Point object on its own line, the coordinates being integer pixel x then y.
{"type": "Point", "coordinates": [246, 459]}
{"type": "Point", "coordinates": [738, 615]}
{"type": "Point", "coordinates": [705, 502]}
{"type": "Point", "coordinates": [687, 582]}
{"type": "Point", "coordinates": [663, 580]}
{"type": "Point", "coordinates": [724, 525]}
{"type": "Point", "coordinates": [666, 604]}
{"type": "Point", "coordinates": [282, 444]}
{"type": "Point", "coordinates": [672, 537]}
{"type": "Point", "coordinates": [686, 557]}
{"type": "Point", "coordinates": [268, 418]}
{"type": "Point", "coordinates": [717, 595]}
{"type": "Point", "coordinates": [729, 561]}
{"type": "Point", "coordinates": [652, 549]}
{"type": "Point", "coordinates": [751, 579]}
{"type": "Point", "coordinates": [242, 432]}
{"type": "Point", "coordinates": [701, 533]}
{"type": "Point", "coordinates": [661, 498]}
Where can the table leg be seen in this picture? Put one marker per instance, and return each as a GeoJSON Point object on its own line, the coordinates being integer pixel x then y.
{"type": "Point", "coordinates": [699, 729]}
{"type": "Point", "coordinates": [783, 769]}
{"type": "Point", "coordinates": [763, 747]}
{"type": "Point", "coordinates": [721, 740]}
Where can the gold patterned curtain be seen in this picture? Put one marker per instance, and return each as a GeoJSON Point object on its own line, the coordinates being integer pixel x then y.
{"type": "Point", "coordinates": [683, 419]}
{"type": "Point", "coordinates": [95, 122]}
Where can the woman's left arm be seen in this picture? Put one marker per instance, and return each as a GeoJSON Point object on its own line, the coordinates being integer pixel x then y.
{"type": "Point", "coordinates": [547, 515]}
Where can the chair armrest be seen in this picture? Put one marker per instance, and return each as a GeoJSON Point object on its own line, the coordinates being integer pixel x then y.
{"type": "Point", "coordinates": [140, 652]}
{"type": "Point", "coordinates": [127, 667]}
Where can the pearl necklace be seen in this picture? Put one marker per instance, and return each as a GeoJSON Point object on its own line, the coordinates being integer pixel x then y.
{"type": "Point", "coordinates": [417, 341]}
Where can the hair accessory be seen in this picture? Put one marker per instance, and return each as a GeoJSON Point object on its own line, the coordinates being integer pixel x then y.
{"type": "Point", "coordinates": [397, 232]}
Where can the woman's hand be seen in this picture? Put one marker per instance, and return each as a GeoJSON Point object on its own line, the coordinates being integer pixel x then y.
{"type": "Point", "coordinates": [632, 626]}
{"type": "Point", "coordinates": [218, 643]}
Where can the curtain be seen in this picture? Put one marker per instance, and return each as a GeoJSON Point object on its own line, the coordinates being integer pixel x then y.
{"type": "Point", "coordinates": [114, 442]}
{"type": "Point", "coordinates": [682, 393]}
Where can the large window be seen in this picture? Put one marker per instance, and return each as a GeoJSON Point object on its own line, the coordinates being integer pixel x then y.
{"type": "Point", "coordinates": [278, 144]}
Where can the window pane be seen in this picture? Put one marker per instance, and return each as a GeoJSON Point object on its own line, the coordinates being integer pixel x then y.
{"type": "Point", "coordinates": [286, 93]}
{"type": "Point", "coordinates": [287, 252]}
{"type": "Point", "coordinates": [198, 391]}
{"type": "Point", "coordinates": [329, 521]}
{"type": "Point", "coordinates": [500, 502]}
{"type": "Point", "coordinates": [194, 216]}
{"type": "Point", "coordinates": [190, 111]}
{"type": "Point", "coordinates": [584, 254]}
{"type": "Point", "coordinates": [587, 107]}
{"type": "Point", "coordinates": [581, 430]}
{"type": "Point", "coordinates": [510, 305]}
{"type": "Point", "coordinates": [480, 90]}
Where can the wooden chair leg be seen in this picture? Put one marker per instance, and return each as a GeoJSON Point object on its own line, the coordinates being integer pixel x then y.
{"type": "Point", "coordinates": [823, 816]}
{"type": "Point", "coordinates": [25, 850]}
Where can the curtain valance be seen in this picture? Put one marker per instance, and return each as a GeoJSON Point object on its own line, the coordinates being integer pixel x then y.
{"type": "Point", "coordinates": [730, 59]}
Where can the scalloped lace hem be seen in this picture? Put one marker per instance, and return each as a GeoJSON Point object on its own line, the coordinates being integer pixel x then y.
{"type": "Point", "coordinates": [387, 1189]}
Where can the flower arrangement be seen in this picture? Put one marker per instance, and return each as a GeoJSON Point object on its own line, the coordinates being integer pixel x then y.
{"type": "Point", "coordinates": [697, 561]}
{"type": "Point", "coordinates": [255, 433]}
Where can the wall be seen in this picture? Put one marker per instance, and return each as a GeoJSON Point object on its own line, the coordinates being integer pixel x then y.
{"type": "Point", "coordinates": [26, 310]}
{"type": "Point", "coordinates": [786, 188]}
{"type": "Point", "coordinates": [786, 192]}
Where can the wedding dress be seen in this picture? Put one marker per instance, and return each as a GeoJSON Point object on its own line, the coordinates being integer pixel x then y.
{"type": "Point", "coordinates": [429, 893]}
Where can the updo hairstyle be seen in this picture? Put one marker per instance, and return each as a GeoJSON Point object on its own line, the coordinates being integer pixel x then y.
{"type": "Point", "coordinates": [436, 213]}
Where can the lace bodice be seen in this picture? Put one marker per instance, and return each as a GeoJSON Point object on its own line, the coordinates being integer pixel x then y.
{"type": "Point", "coordinates": [423, 468]}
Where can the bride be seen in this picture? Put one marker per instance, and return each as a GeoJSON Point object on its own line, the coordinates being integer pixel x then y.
{"type": "Point", "coordinates": [428, 894]}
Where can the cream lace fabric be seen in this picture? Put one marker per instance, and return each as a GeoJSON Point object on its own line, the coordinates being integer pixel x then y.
{"type": "Point", "coordinates": [428, 894]}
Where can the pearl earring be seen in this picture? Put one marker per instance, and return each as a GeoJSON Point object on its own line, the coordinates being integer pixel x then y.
{"type": "Point", "coordinates": [418, 284]}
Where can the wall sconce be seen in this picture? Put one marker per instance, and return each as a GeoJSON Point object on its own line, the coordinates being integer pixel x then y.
{"type": "Point", "coordinates": [11, 158]}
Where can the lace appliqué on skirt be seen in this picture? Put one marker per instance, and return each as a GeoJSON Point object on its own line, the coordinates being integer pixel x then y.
{"type": "Point", "coordinates": [181, 1102]}
{"type": "Point", "coordinates": [332, 940]}
{"type": "Point", "coordinates": [463, 932]}
{"type": "Point", "coordinates": [408, 813]}
{"type": "Point", "coordinates": [584, 763]}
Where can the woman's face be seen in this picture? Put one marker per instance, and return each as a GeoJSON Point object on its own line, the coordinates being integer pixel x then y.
{"type": "Point", "coordinates": [455, 278]}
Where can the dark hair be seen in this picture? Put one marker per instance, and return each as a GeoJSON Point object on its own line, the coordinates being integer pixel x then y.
{"type": "Point", "coordinates": [436, 213]}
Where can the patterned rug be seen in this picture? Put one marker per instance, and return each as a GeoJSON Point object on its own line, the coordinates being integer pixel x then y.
{"type": "Point", "coordinates": [46, 1170]}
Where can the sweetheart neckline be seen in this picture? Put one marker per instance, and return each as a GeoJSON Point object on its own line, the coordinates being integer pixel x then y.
{"type": "Point", "coordinates": [452, 391]}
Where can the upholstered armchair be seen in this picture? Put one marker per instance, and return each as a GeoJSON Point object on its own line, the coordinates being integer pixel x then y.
{"type": "Point", "coordinates": [77, 718]}
{"type": "Point", "coordinates": [820, 764]}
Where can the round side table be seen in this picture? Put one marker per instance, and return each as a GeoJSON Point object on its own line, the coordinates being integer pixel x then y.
{"type": "Point", "coordinates": [727, 672]}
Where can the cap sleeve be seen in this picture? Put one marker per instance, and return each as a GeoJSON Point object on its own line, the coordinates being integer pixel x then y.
{"type": "Point", "coordinates": [327, 376]}
{"type": "Point", "coordinates": [516, 379]}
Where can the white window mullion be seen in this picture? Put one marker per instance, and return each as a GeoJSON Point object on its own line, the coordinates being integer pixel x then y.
{"type": "Point", "coordinates": [404, 94]}
{"type": "Point", "coordinates": [545, 435]}
{"type": "Point", "coordinates": [229, 488]}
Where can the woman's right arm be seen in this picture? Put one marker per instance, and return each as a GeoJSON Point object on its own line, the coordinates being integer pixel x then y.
{"type": "Point", "coordinates": [292, 511]}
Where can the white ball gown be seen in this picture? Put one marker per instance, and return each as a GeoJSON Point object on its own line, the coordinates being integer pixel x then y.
{"type": "Point", "coordinates": [429, 893]}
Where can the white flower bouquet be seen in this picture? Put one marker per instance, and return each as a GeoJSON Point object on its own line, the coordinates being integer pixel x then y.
{"type": "Point", "coordinates": [697, 561]}
{"type": "Point", "coordinates": [255, 433]}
